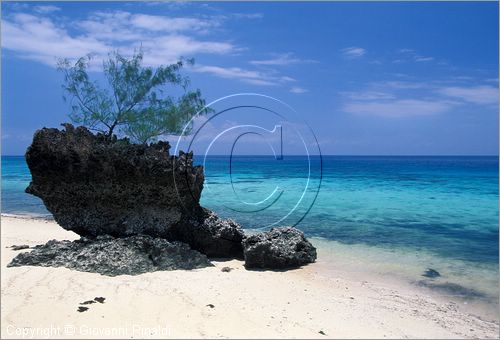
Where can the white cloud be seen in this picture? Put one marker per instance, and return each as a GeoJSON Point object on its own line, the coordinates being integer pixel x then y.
{"type": "Point", "coordinates": [171, 5]}
{"type": "Point", "coordinates": [298, 90]}
{"type": "Point", "coordinates": [421, 59]}
{"type": "Point", "coordinates": [410, 55]}
{"type": "Point", "coordinates": [396, 98]}
{"type": "Point", "coordinates": [476, 95]}
{"type": "Point", "coordinates": [281, 60]}
{"type": "Point", "coordinates": [163, 40]}
{"type": "Point", "coordinates": [248, 76]}
{"type": "Point", "coordinates": [165, 24]}
{"type": "Point", "coordinates": [247, 15]}
{"type": "Point", "coordinates": [287, 79]}
{"type": "Point", "coordinates": [169, 48]}
{"type": "Point", "coordinates": [113, 27]}
{"type": "Point", "coordinates": [397, 84]}
{"type": "Point", "coordinates": [367, 95]}
{"type": "Point", "coordinates": [399, 108]}
{"type": "Point", "coordinates": [353, 52]}
{"type": "Point", "coordinates": [46, 9]}
{"type": "Point", "coordinates": [40, 39]}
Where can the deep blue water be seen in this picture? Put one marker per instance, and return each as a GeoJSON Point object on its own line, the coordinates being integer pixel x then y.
{"type": "Point", "coordinates": [447, 206]}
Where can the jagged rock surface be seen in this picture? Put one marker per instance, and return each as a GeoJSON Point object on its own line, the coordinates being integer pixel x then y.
{"type": "Point", "coordinates": [280, 248]}
{"type": "Point", "coordinates": [94, 186]}
{"type": "Point", "coordinates": [212, 236]}
{"type": "Point", "coordinates": [114, 256]}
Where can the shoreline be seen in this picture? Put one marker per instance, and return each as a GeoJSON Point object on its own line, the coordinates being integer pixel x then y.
{"type": "Point", "coordinates": [27, 216]}
{"type": "Point", "coordinates": [301, 303]}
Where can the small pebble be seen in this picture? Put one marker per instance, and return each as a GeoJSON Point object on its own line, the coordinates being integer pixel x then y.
{"type": "Point", "coordinates": [226, 269]}
{"type": "Point", "coordinates": [88, 302]}
{"type": "Point", "coordinates": [210, 305]}
{"type": "Point", "coordinates": [82, 309]}
{"type": "Point", "coordinates": [99, 299]}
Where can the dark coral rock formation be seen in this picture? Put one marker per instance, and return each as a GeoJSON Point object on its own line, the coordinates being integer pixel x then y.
{"type": "Point", "coordinates": [280, 248]}
{"type": "Point", "coordinates": [114, 256]}
{"type": "Point", "coordinates": [211, 235]}
{"type": "Point", "coordinates": [137, 210]}
{"type": "Point", "coordinates": [96, 186]}
{"type": "Point", "coordinates": [93, 186]}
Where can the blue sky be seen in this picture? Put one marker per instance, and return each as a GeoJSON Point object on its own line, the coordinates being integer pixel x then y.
{"type": "Point", "coordinates": [369, 78]}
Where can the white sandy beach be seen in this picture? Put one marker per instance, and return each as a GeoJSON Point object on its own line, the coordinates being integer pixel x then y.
{"type": "Point", "coordinates": [42, 302]}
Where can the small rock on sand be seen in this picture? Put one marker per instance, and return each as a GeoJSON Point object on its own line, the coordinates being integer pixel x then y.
{"type": "Point", "coordinates": [99, 299]}
{"type": "Point", "coordinates": [431, 273]}
{"type": "Point", "coordinates": [20, 247]}
{"type": "Point", "coordinates": [88, 302]}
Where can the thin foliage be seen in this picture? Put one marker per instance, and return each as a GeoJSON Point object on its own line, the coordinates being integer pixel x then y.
{"type": "Point", "coordinates": [133, 102]}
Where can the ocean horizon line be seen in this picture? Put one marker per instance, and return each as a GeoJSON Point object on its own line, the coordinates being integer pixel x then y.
{"type": "Point", "coordinates": [329, 155]}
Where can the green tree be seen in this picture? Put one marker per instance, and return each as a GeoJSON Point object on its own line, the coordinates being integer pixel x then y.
{"type": "Point", "coordinates": [132, 102]}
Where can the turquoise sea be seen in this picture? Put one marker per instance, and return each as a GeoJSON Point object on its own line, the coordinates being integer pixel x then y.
{"type": "Point", "coordinates": [395, 215]}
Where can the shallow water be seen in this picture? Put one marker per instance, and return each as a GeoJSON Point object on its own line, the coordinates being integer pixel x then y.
{"type": "Point", "coordinates": [472, 287]}
{"type": "Point", "coordinates": [395, 215]}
